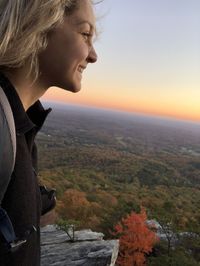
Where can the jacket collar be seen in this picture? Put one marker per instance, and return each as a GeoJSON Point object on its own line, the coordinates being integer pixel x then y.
{"type": "Point", "coordinates": [24, 121]}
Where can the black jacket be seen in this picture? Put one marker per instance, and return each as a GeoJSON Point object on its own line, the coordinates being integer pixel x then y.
{"type": "Point", "coordinates": [22, 200]}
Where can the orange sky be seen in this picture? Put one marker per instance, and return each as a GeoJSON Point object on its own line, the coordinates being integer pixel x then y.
{"type": "Point", "coordinates": [178, 106]}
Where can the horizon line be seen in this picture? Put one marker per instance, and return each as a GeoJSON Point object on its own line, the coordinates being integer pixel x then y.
{"type": "Point", "coordinates": [115, 109]}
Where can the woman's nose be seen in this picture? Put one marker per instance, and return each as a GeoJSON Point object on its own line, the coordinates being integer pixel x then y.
{"type": "Point", "coordinates": [92, 57]}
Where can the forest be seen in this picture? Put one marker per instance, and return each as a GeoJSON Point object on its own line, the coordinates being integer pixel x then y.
{"type": "Point", "coordinates": [105, 165]}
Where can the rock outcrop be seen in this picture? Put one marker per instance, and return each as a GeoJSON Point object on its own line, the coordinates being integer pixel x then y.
{"type": "Point", "coordinates": [88, 249]}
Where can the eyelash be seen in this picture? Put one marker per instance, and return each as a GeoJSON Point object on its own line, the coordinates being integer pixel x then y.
{"type": "Point", "coordinates": [86, 35]}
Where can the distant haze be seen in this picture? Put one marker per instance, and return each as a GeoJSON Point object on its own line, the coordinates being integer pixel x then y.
{"type": "Point", "coordinates": [129, 117]}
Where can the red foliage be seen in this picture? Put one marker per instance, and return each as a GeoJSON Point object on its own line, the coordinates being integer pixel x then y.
{"type": "Point", "coordinates": [135, 238]}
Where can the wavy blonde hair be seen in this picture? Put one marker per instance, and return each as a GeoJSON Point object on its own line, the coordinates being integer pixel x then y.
{"type": "Point", "coordinates": [24, 25]}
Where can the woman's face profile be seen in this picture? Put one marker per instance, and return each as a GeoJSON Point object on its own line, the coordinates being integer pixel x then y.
{"type": "Point", "coordinates": [69, 50]}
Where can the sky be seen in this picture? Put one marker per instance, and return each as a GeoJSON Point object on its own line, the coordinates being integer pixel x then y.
{"type": "Point", "coordinates": [148, 59]}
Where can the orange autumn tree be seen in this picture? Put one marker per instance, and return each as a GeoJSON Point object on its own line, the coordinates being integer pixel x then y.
{"type": "Point", "coordinates": [74, 205]}
{"type": "Point", "coordinates": [136, 239]}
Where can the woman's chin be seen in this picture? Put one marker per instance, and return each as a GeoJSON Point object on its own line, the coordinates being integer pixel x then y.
{"type": "Point", "coordinates": [70, 87]}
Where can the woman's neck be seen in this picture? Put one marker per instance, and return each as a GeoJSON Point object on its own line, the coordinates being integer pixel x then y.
{"type": "Point", "coordinates": [29, 92]}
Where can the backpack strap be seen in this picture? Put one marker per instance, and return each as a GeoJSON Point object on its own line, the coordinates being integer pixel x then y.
{"type": "Point", "coordinates": [7, 143]}
{"type": "Point", "coordinates": [7, 162]}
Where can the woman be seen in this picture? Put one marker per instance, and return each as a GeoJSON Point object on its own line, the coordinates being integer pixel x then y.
{"type": "Point", "coordinates": [43, 43]}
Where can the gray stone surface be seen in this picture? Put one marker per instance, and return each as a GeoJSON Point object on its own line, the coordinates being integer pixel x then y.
{"type": "Point", "coordinates": [89, 248]}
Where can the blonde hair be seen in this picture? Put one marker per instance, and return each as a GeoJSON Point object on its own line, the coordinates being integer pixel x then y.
{"type": "Point", "coordinates": [24, 25]}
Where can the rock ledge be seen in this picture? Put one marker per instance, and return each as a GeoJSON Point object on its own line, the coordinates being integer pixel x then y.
{"type": "Point", "coordinates": [89, 248]}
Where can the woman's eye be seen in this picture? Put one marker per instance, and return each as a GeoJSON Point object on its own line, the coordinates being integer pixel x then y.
{"type": "Point", "coordinates": [86, 35]}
